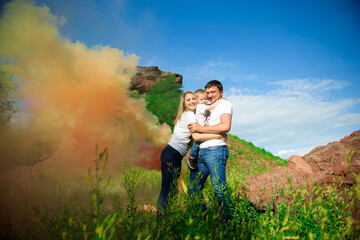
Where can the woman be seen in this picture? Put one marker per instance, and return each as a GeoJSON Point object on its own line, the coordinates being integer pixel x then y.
{"type": "Point", "coordinates": [178, 146]}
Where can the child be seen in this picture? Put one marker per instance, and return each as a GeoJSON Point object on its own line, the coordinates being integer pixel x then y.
{"type": "Point", "coordinates": [202, 115]}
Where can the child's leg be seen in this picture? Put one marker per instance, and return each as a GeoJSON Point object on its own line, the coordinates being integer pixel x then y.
{"type": "Point", "coordinates": [192, 163]}
{"type": "Point", "coordinates": [195, 150]}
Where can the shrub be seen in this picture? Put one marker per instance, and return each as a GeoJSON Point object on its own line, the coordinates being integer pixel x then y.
{"type": "Point", "coordinates": [163, 100]}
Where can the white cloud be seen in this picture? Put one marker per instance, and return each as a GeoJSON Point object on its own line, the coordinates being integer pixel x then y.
{"type": "Point", "coordinates": [151, 62]}
{"type": "Point", "coordinates": [229, 73]}
{"type": "Point", "coordinates": [294, 117]}
{"type": "Point", "coordinates": [214, 69]}
{"type": "Point", "coordinates": [305, 87]}
{"type": "Point", "coordinates": [286, 153]}
{"type": "Point", "coordinates": [220, 70]}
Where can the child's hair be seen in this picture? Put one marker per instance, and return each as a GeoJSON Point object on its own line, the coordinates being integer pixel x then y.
{"type": "Point", "coordinates": [199, 91]}
{"type": "Point", "coordinates": [181, 108]}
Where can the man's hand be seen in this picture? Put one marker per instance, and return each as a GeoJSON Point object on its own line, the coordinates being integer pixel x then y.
{"type": "Point", "coordinates": [223, 136]}
{"type": "Point", "coordinates": [194, 128]}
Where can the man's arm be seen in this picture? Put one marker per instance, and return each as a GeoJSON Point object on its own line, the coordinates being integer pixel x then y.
{"type": "Point", "coordinates": [223, 126]}
{"type": "Point", "coordinates": [202, 137]}
{"type": "Point", "coordinates": [212, 106]}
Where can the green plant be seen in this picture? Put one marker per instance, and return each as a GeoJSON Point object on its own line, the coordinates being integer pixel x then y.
{"type": "Point", "coordinates": [8, 87]}
{"type": "Point", "coordinates": [131, 182]}
{"type": "Point", "coordinates": [104, 228]}
{"type": "Point", "coordinates": [135, 94]}
{"type": "Point", "coordinates": [163, 100]}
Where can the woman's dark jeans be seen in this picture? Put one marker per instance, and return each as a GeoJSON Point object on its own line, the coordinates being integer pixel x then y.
{"type": "Point", "coordinates": [170, 172]}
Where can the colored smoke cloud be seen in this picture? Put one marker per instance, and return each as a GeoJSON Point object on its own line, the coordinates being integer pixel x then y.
{"type": "Point", "coordinates": [76, 96]}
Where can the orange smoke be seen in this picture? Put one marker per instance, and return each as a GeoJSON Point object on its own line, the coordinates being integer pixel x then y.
{"type": "Point", "coordinates": [149, 156]}
{"type": "Point", "coordinates": [77, 96]}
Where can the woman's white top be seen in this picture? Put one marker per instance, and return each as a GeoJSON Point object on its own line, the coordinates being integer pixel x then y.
{"type": "Point", "coordinates": [180, 139]}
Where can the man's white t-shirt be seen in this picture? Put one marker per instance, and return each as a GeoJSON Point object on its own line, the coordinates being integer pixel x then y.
{"type": "Point", "coordinates": [180, 139]}
{"type": "Point", "coordinates": [223, 107]}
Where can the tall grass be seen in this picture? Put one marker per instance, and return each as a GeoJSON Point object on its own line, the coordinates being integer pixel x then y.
{"type": "Point", "coordinates": [313, 212]}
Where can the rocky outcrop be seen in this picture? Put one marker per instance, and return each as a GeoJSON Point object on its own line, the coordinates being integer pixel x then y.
{"type": "Point", "coordinates": [148, 76]}
{"type": "Point", "coordinates": [322, 165]}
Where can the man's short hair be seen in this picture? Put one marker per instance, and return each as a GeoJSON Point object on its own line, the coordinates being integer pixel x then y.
{"type": "Point", "coordinates": [214, 83]}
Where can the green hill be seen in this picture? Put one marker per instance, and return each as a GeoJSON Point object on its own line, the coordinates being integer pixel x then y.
{"type": "Point", "coordinates": [245, 159]}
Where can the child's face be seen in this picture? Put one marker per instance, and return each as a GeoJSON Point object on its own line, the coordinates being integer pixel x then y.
{"type": "Point", "coordinates": [201, 98]}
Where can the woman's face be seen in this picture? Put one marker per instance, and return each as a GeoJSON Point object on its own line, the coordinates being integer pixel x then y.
{"type": "Point", "coordinates": [190, 102]}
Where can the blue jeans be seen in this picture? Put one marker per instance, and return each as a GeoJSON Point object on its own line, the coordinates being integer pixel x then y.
{"type": "Point", "coordinates": [212, 161]}
{"type": "Point", "coordinates": [170, 172]}
{"type": "Point", "coordinates": [195, 150]}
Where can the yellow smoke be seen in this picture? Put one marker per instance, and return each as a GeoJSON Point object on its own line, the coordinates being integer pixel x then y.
{"type": "Point", "coordinates": [77, 96]}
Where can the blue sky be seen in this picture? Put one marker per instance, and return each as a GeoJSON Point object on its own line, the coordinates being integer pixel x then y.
{"type": "Point", "coordinates": [291, 69]}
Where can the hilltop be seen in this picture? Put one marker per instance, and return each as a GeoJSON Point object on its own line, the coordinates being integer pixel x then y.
{"type": "Point", "coordinates": [146, 77]}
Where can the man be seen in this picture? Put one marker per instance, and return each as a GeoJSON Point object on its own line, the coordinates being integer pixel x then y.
{"type": "Point", "coordinates": [213, 153]}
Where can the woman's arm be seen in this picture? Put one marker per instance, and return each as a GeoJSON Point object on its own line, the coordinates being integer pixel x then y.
{"type": "Point", "coordinates": [201, 137]}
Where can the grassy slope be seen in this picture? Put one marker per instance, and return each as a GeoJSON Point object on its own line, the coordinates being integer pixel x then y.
{"type": "Point", "coordinates": [246, 159]}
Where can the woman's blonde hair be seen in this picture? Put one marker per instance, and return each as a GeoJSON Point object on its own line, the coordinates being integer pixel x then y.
{"type": "Point", "coordinates": [181, 108]}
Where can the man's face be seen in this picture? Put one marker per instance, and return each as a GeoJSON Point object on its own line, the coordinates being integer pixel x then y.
{"type": "Point", "coordinates": [213, 94]}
